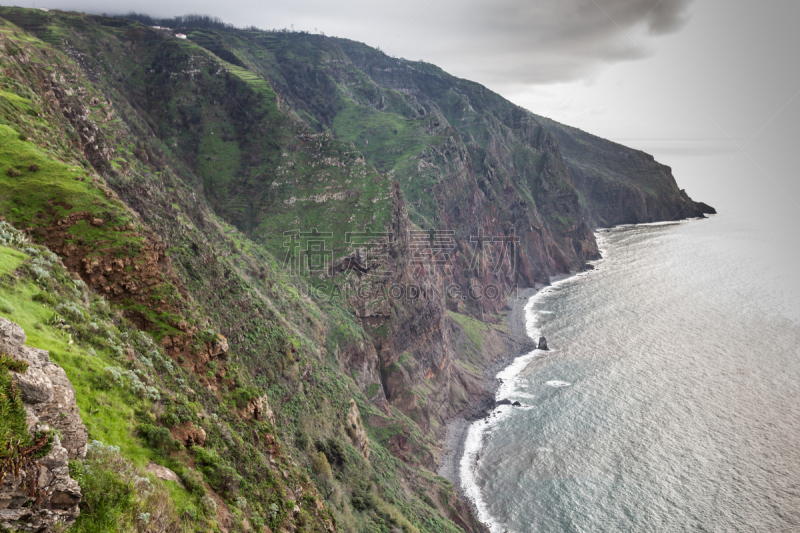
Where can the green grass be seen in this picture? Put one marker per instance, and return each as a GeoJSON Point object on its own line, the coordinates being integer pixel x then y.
{"type": "Point", "coordinates": [390, 142]}
{"type": "Point", "coordinates": [107, 413]}
{"type": "Point", "coordinates": [472, 327]}
{"type": "Point", "coordinates": [10, 259]}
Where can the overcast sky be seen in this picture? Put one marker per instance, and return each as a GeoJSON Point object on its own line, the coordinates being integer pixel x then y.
{"type": "Point", "coordinates": [709, 87]}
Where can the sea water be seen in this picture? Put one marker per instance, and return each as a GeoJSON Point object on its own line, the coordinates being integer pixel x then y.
{"type": "Point", "coordinates": [670, 397]}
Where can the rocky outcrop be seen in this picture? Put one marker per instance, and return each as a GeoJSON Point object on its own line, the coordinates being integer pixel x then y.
{"type": "Point", "coordinates": [542, 343]}
{"type": "Point", "coordinates": [355, 430]}
{"type": "Point", "coordinates": [621, 185]}
{"type": "Point", "coordinates": [189, 435]}
{"type": "Point", "coordinates": [258, 409]}
{"type": "Point", "coordinates": [49, 401]}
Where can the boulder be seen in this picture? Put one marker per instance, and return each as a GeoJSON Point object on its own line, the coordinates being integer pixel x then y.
{"type": "Point", "coordinates": [542, 343]}
{"type": "Point", "coordinates": [355, 430]}
{"type": "Point", "coordinates": [162, 472]}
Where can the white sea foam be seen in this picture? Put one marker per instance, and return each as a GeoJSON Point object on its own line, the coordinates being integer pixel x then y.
{"type": "Point", "coordinates": [508, 387]}
{"type": "Point", "coordinates": [469, 462]}
{"type": "Point", "coordinates": [558, 384]}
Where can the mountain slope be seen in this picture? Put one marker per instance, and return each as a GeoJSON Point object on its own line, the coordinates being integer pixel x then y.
{"type": "Point", "coordinates": [622, 185]}
{"type": "Point", "coordinates": [306, 227]}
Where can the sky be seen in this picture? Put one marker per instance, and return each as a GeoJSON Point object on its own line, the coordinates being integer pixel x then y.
{"type": "Point", "coordinates": [709, 87]}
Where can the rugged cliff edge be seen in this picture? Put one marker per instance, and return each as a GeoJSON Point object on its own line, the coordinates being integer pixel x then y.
{"type": "Point", "coordinates": [286, 218]}
{"type": "Point", "coordinates": [622, 185]}
{"type": "Point", "coordinates": [49, 401]}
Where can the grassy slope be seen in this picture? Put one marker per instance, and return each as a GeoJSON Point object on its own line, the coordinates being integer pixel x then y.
{"type": "Point", "coordinates": [35, 289]}
{"type": "Point", "coordinates": [263, 317]}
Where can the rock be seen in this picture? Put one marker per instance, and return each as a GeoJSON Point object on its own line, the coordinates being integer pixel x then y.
{"type": "Point", "coordinates": [262, 410]}
{"type": "Point", "coordinates": [355, 430]}
{"type": "Point", "coordinates": [258, 409]}
{"type": "Point", "coordinates": [35, 386]}
{"type": "Point", "coordinates": [504, 401]}
{"type": "Point", "coordinates": [162, 472]}
{"type": "Point", "coordinates": [516, 404]}
{"type": "Point", "coordinates": [49, 402]}
{"type": "Point", "coordinates": [189, 435]}
{"type": "Point", "coordinates": [542, 343]}
{"type": "Point", "coordinates": [218, 348]}
{"type": "Point", "coordinates": [97, 222]}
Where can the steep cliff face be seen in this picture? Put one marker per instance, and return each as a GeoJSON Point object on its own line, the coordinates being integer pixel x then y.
{"type": "Point", "coordinates": [302, 223]}
{"type": "Point", "coordinates": [310, 358]}
{"type": "Point", "coordinates": [621, 185]}
{"type": "Point", "coordinates": [470, 164]}
{"type": "Point", "coordinates": [49, 400]}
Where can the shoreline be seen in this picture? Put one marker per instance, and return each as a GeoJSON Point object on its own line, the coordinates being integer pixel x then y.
{"type": "Point", "coordinates": [454, 442]}
{"type": "Point", "coordinates": [457, 428]}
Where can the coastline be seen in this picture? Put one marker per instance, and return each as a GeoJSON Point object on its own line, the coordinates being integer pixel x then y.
{"type": "Point", "coordinates": [457, 428]}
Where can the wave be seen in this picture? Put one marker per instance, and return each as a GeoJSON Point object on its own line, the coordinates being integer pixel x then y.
{"type": "Point", "coordinates": [508, 388]}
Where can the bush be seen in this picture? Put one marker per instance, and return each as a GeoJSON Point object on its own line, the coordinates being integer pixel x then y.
{"type": "Point", "coordinates": [118, 496]}
{"type": "Point", "coordinates": [333, 450]}
{"type": "Point", "coordinates": [243, 395]}
{"type": "Point", "coordinates": [321, 466]}
{"type": "Point", "coordinates": [158, 438]}
{"type": "Point", "coordinates": [222, 477]}
{"type": "Point", "coordinates": [19, 448]}
{"type": "Point", "coordinates": [193, 481]}
{"type": "Point", "coordinates": [10, 236]}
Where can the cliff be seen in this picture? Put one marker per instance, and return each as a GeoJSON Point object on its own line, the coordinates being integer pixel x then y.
{"type": "Point", "coordinates": [49, 402]}
{"type": "Point", "coordinates": [283, 260]}
{"type": "Point", "coordinates": [622, 185]}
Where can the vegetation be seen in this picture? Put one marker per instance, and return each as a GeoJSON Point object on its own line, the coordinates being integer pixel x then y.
{"type": "Point", "coordinates": [170, 194]}
{"type": "Point", "coordinates": [19, 447]}
{"type": "Point", "coordinates": [135, 395]}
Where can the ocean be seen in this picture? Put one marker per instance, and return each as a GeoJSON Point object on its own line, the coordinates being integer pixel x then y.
{"type": "Point", "coordinates": [669, 399]}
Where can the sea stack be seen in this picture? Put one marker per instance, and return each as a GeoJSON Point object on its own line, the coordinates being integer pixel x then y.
{"type": "Point", "coordinates": [542, 343]}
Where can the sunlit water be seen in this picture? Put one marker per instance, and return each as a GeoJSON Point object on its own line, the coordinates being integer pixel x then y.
{"type": "Point", "coordinates": [670, 399]}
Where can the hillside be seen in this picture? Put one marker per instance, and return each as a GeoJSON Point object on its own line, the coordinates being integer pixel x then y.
{"type": "Point", "coordinates": [277, 263]}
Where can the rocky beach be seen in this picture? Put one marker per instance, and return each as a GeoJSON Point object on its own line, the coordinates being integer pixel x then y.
{"type": "Point", "coordinates": [457, 427]}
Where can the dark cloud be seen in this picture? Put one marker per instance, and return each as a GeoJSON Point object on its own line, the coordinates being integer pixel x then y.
{"type": "Point", "coordinates": [498, 42]}
{"type": "Point", "coordinates": [516, 42]}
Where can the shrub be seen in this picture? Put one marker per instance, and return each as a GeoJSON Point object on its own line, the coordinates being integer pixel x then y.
{"type": "Point", "coordinates": [19, 448]}
{"type": "Point", "coordinates": [333, 450]}
{"type": "Point", "coordinates": [321, 466]}
{"type": "Point", "coordinates": [118, 496]}
{"type": "Point", "coordinates": [10, 236]}
{"type": "Point", "coordinates": [193, 481]}
{"type": "Point", "coordinates": [301, 439]}
{"type": "Point", "coordinates": [158, 438]}
{"type": "Point", "coordinates": [221, 476]}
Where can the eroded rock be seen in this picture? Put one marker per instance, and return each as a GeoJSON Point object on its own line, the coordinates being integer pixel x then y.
{"type": "Point", "coordinates": [49, 400]}
{"type": "Point", "coordinates": [355, 430]}
{"type": "Point", "coordinates": [542, 343]}
{"type": "Point", "coordinates": [189, 434]}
